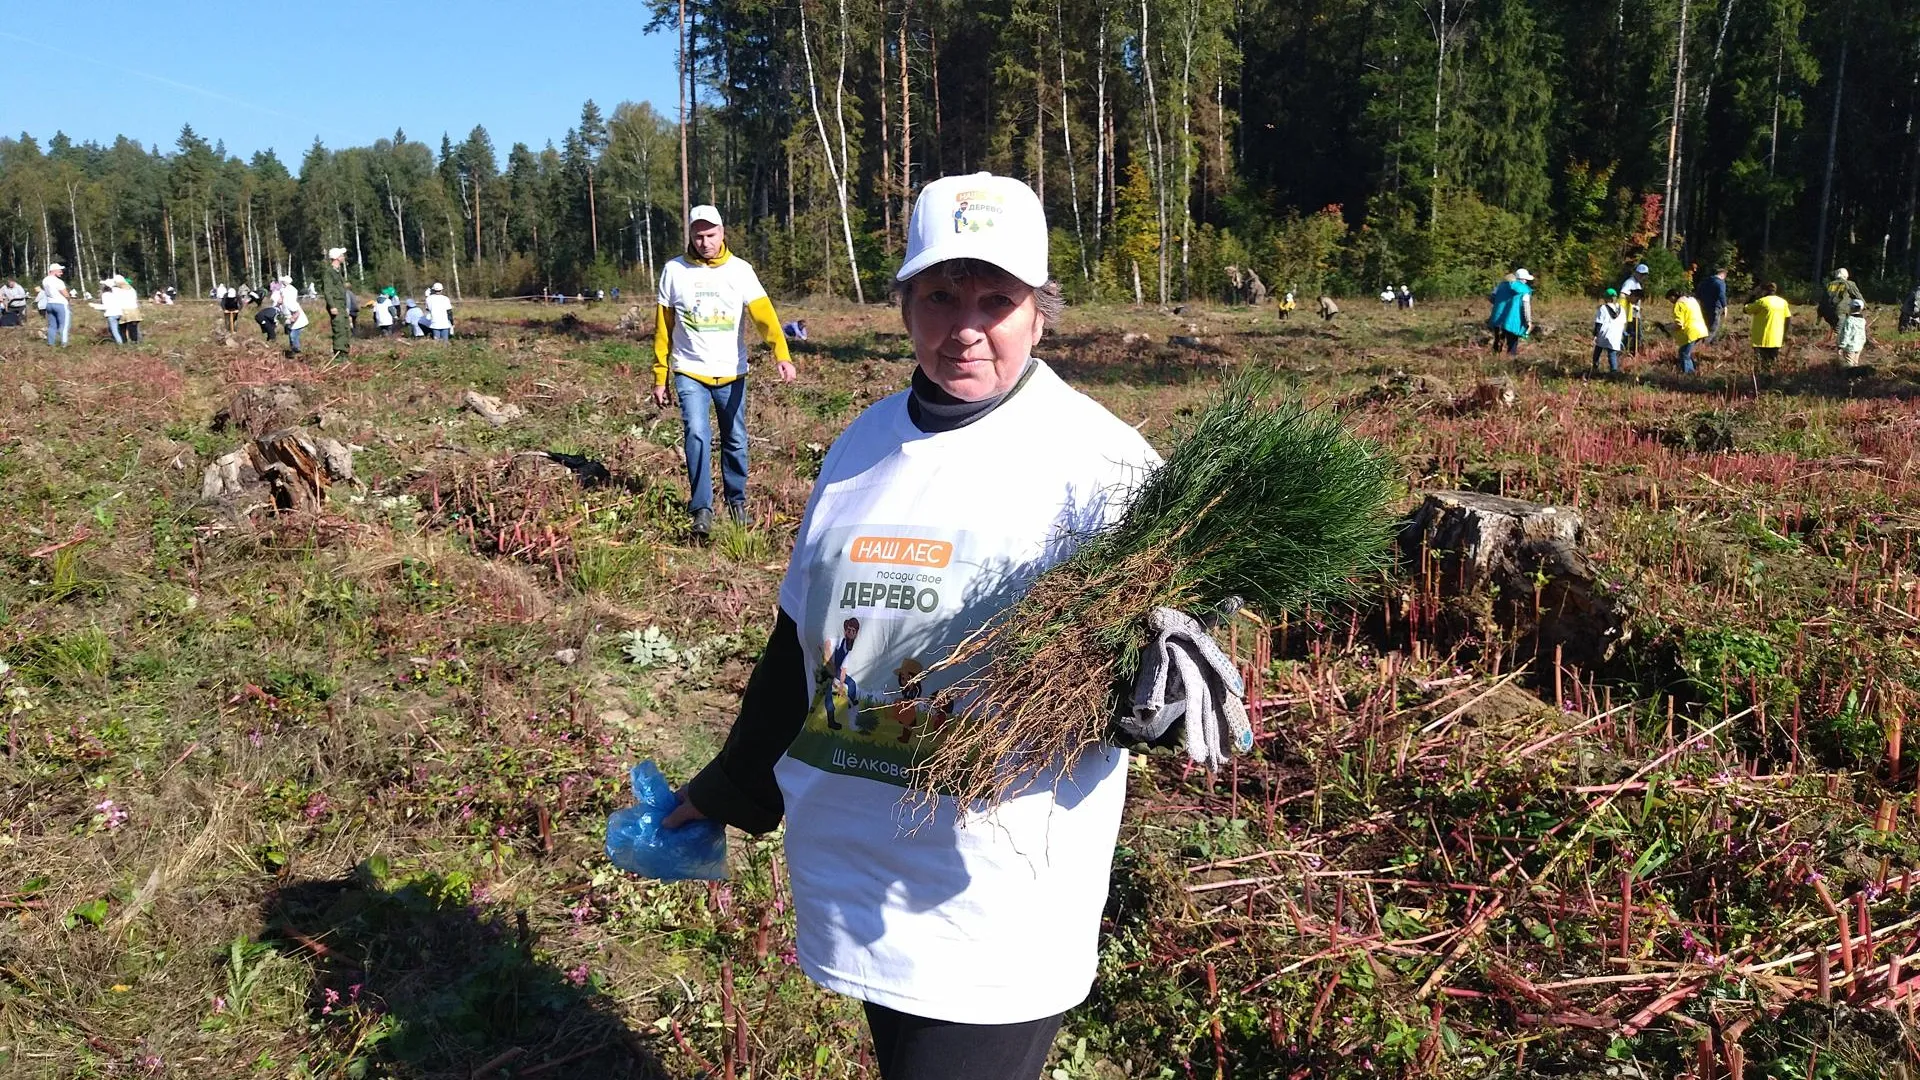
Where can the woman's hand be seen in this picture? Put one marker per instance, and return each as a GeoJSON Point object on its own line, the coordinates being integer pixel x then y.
{"type": "Point", "coordinates": [682, 813]}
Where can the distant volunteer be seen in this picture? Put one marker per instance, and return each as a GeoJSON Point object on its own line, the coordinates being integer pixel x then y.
{"type": "Point", "coordinates": [109, 306]}
{"type": "Point", "coordinates": [13, 303]}
{"type": "Point", "coordinates": [383, 313]}
{"type": "Point", "coordinates": [1853, 333]}
{"type": "Point", "coordinates": [706, 297]}
{"type": "Point", "coordinates": [56, 302]}
{"type": "Point", "coordinates": [293, 314]}
{"type": "Point", "coordinates": [1689, 326]}
{"type": "Point", "coordinates": [439, 316]}
{"type": "Point", "coordinates": [129, 309]}
{"type": "Point", "coordinates": [966, 933]}
{"type": "Point", "coordinates": [339, 302]}
{"type": "Point", "coordinates": [1770, 313]}
{"type": "Point", "coordinates": [1609, 331]}
{"type": "Point", "coordinates": [1513, 312]}
{"type": "Point", "coordinates": [1633, 290]}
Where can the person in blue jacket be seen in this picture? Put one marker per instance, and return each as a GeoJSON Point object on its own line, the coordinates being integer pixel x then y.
{"type": "Point", "coordinates": [1512, 312]}
{"type": "Point", "coordinates": [1712, 294]}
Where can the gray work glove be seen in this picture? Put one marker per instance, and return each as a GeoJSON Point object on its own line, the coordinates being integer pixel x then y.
{"type": "Point", "coordinates": [1185, 677]}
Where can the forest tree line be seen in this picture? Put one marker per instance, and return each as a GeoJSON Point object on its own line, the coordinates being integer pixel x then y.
{"type": "Point", "coordinates": [1334, 145]}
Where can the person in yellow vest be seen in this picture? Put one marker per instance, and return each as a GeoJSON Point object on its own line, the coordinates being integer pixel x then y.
{"type": "Point", "coordinates": [1690, 326]}
{"type": "Point", "coordinates": [704, 297]}
{"type": "Point", "coordinates": [1770, 314]}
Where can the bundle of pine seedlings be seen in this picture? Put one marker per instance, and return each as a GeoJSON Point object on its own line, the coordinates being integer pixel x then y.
{"type": "Point", "coordinates": [1277, 504]}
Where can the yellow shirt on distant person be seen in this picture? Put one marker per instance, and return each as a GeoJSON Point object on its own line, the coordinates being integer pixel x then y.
{"type": "Point", "coordinates": [1693, 324]}
{"type": "Point", "coordinates": [1770, 314]}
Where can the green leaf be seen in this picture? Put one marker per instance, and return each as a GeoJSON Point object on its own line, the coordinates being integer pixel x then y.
{"type": "Point", "coordinates": [93, 911]}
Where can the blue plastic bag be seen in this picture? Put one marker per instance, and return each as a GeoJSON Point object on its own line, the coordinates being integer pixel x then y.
{"type": "Point", "coordinates": [696, 851]}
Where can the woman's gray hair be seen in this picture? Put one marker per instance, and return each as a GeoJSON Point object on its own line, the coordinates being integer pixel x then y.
{"type": "Point", "coordinates": [1048, 298]}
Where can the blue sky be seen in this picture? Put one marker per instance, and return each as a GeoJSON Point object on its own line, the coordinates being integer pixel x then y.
{"type": "Point", "coordinates": [349, 72]}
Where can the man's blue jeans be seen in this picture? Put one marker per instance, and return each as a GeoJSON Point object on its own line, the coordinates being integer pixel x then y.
{"type": "Point", "coordinates": [113, 326]}
{"type": "Point", "coordinates": [59, 324]}
{"type": "Point", "coordinates": [1686, 357]}
{"type": "Point", "coordinates": [729, 402]}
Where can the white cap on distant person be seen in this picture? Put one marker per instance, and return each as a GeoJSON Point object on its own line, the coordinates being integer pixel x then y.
{"type": "Point", "coordinates": [336, 253]}
{"type": "Point", "coordinates": [437, 287]}
{"type": "Point", "coordinates": [995, 219]}
{"type": "Point", "coordinates": [56, 268]}
{"type": "Point", "coordinates": [1640, 269]}
{"type": "Point", "coordinates": [706, 212]}
{"type": "Point", "coordinates": [1522, 274]}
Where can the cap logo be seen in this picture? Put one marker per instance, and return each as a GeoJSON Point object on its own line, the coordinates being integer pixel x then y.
{"type": "Point", "coordinates": [976, 210]}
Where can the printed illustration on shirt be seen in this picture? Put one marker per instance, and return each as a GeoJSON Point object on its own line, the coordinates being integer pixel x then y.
{"type": "Point", "coordinates": [710, 312]}
{"type": "Point", "coordinates": [885, 608]}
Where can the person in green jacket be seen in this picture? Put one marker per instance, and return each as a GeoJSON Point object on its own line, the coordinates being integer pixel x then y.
{"type": "Point", "coordinates": [333, 287]}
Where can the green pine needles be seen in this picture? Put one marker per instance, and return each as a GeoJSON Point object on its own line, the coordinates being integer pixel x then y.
{"type": "Point", "coordinates": [1279, 505]}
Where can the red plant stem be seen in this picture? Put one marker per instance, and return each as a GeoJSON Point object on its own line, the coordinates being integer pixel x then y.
{"type": "Point", "coordinates": [1626, 915]}
{"type": "Point", "coordinates": [1846, 935]}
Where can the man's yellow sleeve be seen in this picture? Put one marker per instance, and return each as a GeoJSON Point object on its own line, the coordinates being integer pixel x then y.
{"type": "Point", "coordinates": [761, 312]}
{"type": "Point", "coordinates": [662, 343]}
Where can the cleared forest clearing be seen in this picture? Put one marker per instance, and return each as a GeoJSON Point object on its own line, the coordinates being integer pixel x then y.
{"type": "Point", "coordinates": [320, 792]}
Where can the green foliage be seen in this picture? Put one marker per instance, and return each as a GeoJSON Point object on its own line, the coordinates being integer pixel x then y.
{"type": "Point", "coordinates": [649, 648]}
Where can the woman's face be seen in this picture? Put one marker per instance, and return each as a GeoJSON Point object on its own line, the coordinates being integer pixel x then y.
{"type": "Point", "coordinates": [972, 336]}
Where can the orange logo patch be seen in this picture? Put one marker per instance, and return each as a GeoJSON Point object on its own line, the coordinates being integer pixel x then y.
{"type": "Point", "coordinates": [900, 551]}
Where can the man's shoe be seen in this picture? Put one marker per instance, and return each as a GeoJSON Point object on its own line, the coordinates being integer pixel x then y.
{"type": "Point", "coordinates": [737, 513]}
{"type": "Point", "coordinates": [702, 523]}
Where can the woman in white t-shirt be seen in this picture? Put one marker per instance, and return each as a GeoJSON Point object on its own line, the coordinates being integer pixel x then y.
{"type": "Point", "coordinates": [967, 932]}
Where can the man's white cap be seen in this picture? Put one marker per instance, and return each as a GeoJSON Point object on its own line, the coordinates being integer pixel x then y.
{"type": "Point", "coordinates": [437, 287]}
{"type": "Point", "coordinates": [336, 253]}
{"type": "Point", "coordinates": [1641, 268]}
{"type": "Point", "coordinates": [995, 219]}
{"type": "Point", "coordinates": [1841, 273]}
{"type": "Point", "coordinates": [56, 267]}
{"type": "Point", "coordinates": [1522, 274]}
{"type": "Point", "coordinates": [704, 212]}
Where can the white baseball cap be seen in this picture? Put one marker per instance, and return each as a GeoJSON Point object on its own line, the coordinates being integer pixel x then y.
{"type": "Point", "coordinates": [1522, 274]}
{"type": "Point", "coordinates": [995, 219]}
{"type": "Point", "coordinates": [437, 287]}
{"type": "Point", "coordinates": [336, 253]}
{"type": "Point", "coordinates": [55, 268]}
{"type": "Point", "coordinates": [704, 212]}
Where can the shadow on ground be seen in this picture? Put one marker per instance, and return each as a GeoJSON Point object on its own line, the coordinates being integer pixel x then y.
{"type": "Point", "coordinates": [417, 982]}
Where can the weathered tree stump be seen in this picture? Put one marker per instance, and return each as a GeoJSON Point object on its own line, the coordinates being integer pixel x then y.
{"type": "Point", "coordinates": [1525, 560]}
{"type": "Point", "coordinates": [297, 469]}
{"type": "Point", "coordinates": [228, 476]}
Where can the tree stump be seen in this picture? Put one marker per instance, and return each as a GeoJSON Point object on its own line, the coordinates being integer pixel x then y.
{"type": "Point", "coordinates": [1525, 561]}
{"type": "Point", "coordinates": [293, 467]}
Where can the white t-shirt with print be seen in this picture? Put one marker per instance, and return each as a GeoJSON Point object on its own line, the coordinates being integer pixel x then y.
{"type": "Point", "coordinates": [709, 304]}
{"type": "Point", "coordinates": [919, 538]}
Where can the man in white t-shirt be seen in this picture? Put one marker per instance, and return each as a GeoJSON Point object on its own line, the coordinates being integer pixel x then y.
{"type": "Point", "coordinates": [706, 296]}
{"type": "Point", "coordinates": [439, 317]}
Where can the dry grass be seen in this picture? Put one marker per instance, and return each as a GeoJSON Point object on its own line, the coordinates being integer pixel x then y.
{"type": "Point", "coordinates": [316, 797]}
